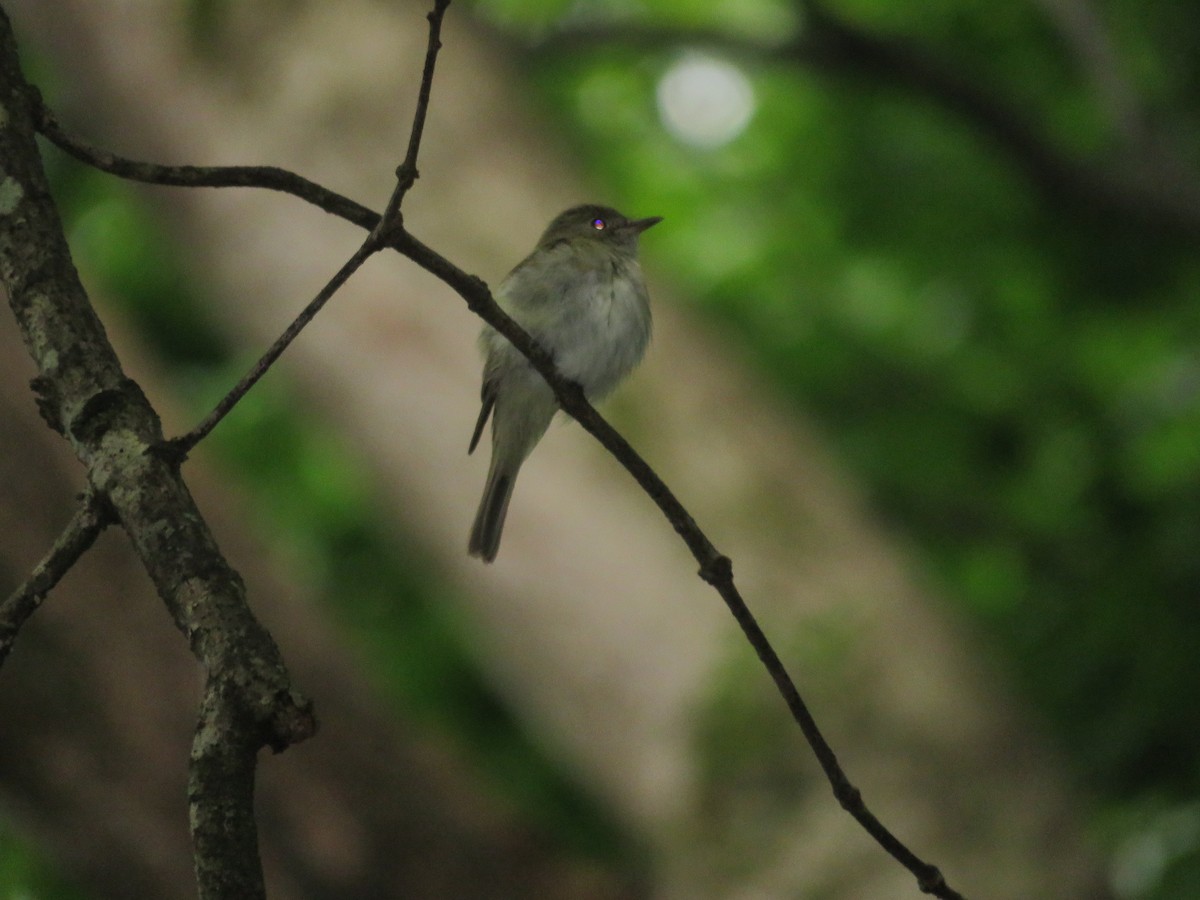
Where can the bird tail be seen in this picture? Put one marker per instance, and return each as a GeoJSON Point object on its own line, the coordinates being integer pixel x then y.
{"type": "Point", "coordinates": [489, 520]}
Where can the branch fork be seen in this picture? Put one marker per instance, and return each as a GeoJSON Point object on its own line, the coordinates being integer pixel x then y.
{"type": "Point", "coordinates": [248, 699]}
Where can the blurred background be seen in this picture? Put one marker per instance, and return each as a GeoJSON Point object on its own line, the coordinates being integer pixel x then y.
{"type": "Point", "coordinates": [925, 366]}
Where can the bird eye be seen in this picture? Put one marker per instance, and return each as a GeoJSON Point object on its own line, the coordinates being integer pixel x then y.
{"type": "Point", "coordinates": [599, 224]}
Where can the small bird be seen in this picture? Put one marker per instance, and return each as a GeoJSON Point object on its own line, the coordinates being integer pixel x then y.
{"type": "Point", "coordinates": [581, 296]}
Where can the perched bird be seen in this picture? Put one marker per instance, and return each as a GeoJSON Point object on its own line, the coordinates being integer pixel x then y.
{"type": "Point", "coordinates": [581, 296]}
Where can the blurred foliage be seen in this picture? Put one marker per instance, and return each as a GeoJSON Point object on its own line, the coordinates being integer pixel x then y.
{"type": "Point", "coordinates": [24, 875]}
{"type": "Point", "coordinates": [1015, 378]}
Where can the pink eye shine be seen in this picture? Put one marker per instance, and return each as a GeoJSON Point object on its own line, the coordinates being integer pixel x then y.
{"type": "Point", "coordinates": [598, 224]}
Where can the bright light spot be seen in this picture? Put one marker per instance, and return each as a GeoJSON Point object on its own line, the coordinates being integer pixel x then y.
{"type": "Point", "coordinates": [704, 101]}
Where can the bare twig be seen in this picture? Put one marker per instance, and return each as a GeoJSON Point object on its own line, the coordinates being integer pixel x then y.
{"type": "Point", "coordinates": [91, 517]}
{"type": "Point", "coordinates": [268, 177]}
{"type": "Point", "coordinates": [184, 444]}
{"type": "Point", "coordinates": [388, 230]}
{"type": "Point", "coordinates": [715, 568]}
{"type": "Point", "coordinates": [376, 240]}
{"type": "Point", "coordinates": [406, 173]}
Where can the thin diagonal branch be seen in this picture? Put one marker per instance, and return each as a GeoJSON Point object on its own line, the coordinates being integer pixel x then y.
{"type": "Point", "coordinates": [714, 567]}
{"type": "Point", "coordinates": [222, 767]}
{"type": "Point", "coordinates": [268, 177]}
{"type": "Point", "coordinates": [407, 174]}
{"type": "Point", "coordinates": [389, 230]}
{"type": "Point", "coordinates": [184, 444]}
{"type": "Point", "coordinates": [90, 518]}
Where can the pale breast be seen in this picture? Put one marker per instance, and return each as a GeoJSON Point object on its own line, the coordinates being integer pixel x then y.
{"type": "Point", "coordinates": [590, 310]}
{"type": "Point", "coordinates": [603, 328]}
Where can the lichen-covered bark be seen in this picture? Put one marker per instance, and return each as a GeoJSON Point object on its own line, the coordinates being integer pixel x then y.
{"type": "Point", "coordinates": [85, 396]}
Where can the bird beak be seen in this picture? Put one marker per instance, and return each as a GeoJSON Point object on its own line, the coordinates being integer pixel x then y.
{"type": "Point", "coordinates": [637, 226]}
